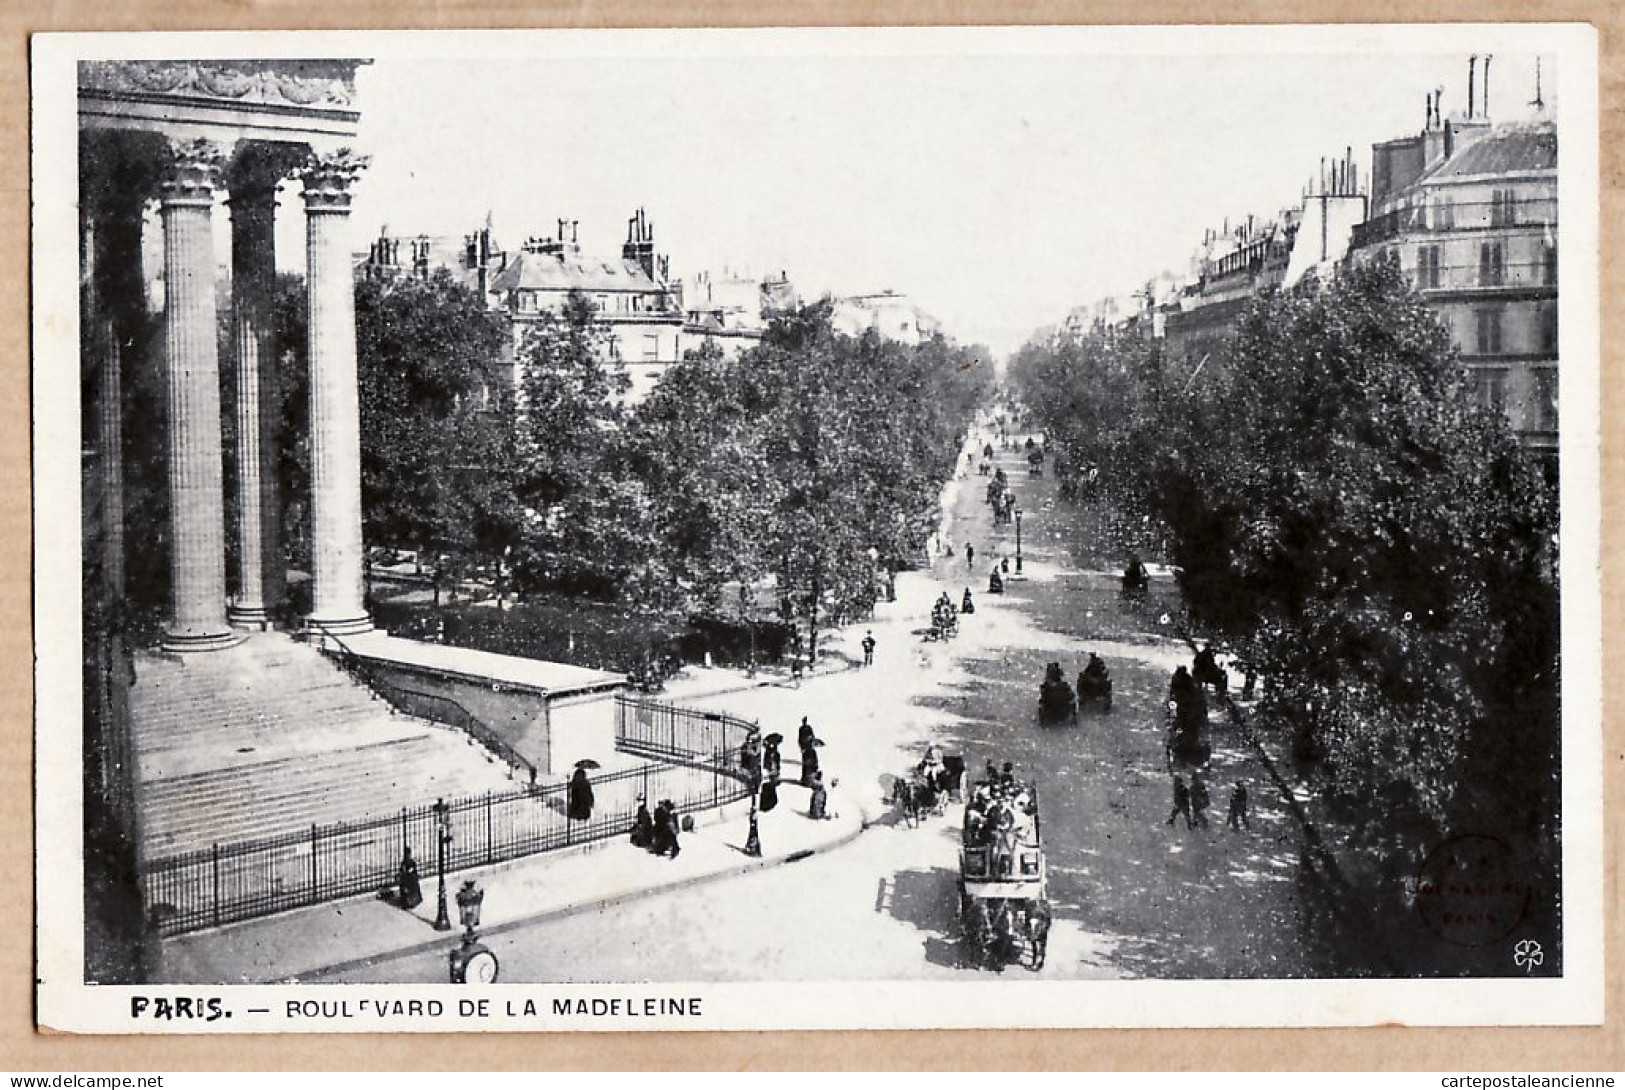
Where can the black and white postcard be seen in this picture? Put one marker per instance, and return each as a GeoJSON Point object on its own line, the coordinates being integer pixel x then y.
{"type": "Point", "coordinates": [823, 528]}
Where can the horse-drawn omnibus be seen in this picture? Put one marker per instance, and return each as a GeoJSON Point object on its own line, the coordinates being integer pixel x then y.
{"type": "Point", "coordinates": [1004, 912]}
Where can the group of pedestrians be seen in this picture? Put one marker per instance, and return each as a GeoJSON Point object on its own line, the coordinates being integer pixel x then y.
{"type": "Point", "coordinates": [657, 832]}
{"type": "Point", "coordinates": [1191, 803]}
{"type": "Point", "coordinates": [763, 766]}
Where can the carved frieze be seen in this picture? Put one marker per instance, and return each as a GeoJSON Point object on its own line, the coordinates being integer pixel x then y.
{"type": "Point", "coordinates": [311, 84]}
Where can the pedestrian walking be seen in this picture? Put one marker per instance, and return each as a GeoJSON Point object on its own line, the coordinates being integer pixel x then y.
{"type": "Point", "coordinates": [665, 842]}
{"type": "Point", "coordinates": [809, 762]}
{"type": "Point", "coordinates": [1182, 802]}
{"type": "Point", "coordinates": [970, 555]}
{"type": "Point", "coordinates": [804, 734]}
{"type": "Point", "coordinates": [1199, 800]}
{"type": "Point", "coordinates": [966, 604]}
{"type": "Point", "coordinates": [643, 827]}
{"type": "Point", "coordinates": [750, 759]}
{"type": "Point", "coordinates": [817, 809]}
{"type": "Point", "coordinates": [581, 800]}
{"type": "Point", "coordinates": [869, 648]}
{"type": "Point", "coordinates": [772, 760]}
{"type": "Point", "coordinates": [407, 880]}
{"type": "Point", "coordinates": [1238, 808]}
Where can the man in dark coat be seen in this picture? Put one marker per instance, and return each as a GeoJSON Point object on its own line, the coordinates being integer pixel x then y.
{"type": "Point", "coordinates": [643, 826]}
{"type": "Point", "coordinates": [1182, 802]}
{"type": "Point", "coordinates": [869, 648]}
{"type": "Point", "coordinates": [666, 829]}
{"type": "Point", "coordinates": [1199, 800]}
{"type": "Point", "coordinates": [970, 555]}
{"type": "Point", "coordinates": [1238, 808]}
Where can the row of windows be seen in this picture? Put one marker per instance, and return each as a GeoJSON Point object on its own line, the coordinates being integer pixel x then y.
{"type": "Point", "coordinates": [1490, 324]}
{"type": "Point", "coordinates": [1492, 269]}
{"type": "Point", "coordinates": [530, 302]}
{"type": "Point", "coordinates": [1490, 392]}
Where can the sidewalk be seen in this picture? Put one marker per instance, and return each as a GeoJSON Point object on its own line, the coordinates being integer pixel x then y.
{"type": "Point", "coordinates": [311, 943]}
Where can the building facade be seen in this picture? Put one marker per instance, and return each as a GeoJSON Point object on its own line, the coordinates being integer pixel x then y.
{"type": "Point", "coordinates": [1469, 210]}
{"type": "Point", "coordinates": [892, 315]}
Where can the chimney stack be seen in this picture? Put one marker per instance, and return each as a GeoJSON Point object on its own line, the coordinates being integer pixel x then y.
{"type": "Point", "coordinates": [1488, 57]}
{"type": "Point", "coordinates": [1538, 104]}
{"type": "Point", "coordinates": [1472, 92]}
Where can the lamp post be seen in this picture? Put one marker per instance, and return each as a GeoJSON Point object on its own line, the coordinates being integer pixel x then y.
{"type": "Point", "coordinates": [472, 961]}
{"type": "Point", "coordinates": [442, 821]}
{"type": "Point", "coordinates": [1018, 540]}
{"type": "Point", "coordinates": [753, 841]}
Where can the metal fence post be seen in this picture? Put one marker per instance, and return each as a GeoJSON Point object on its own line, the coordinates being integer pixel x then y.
{"type": "Point", "coordinates": [214, 858]}
{"type": "Point", "coordinates": [315, 884]}
{"type": "Point", "coordinates": [490, 847]}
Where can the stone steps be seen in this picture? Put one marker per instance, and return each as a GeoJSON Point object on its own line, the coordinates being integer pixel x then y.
{"type": "Point", "coordinates": [270, 737]}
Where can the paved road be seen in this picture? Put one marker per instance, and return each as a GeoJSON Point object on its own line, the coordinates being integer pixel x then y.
{"type": "Point", "coordinates": [1133, 897]}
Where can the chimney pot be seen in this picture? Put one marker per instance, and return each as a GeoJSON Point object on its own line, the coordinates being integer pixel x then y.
{"type": "Point", "coordinates": [1472, 93]}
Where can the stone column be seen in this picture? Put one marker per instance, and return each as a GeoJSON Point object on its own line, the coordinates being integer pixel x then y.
{"type": "Point", "coordinates": [101, 350]}
{"type": "Point", "coordinates": [260, 568]}
{"type": "Point", "coordinates": [337, 604]}
{"type": "Point", "coordinates": [192, 363]}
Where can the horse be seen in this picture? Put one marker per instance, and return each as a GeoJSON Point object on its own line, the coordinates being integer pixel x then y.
{"type": "Point", "coordinates": [1035, 932]}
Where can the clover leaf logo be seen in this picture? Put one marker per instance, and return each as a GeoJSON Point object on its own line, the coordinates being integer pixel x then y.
{"type": "Point", "coordinates": [1527, 954]}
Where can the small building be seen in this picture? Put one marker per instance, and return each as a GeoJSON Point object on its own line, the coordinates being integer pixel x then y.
{"type": "Point", "coordinates": [731, 310]}
{"type": "Point", "coordinates": [894, 316]}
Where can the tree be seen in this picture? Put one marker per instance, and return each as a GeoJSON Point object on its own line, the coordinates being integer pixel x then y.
{"type": "Point", "coordinates": [437, 454]}
{"type": "Point", "coordinates": [1363, 534]}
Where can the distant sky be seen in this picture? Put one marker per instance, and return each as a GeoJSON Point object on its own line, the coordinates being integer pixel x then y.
{"type": "Point", "coordinates": [997, 190]}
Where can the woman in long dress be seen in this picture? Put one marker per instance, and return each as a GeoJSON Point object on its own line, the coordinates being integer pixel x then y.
{"type": "Point", "coordinates": [580, 805]}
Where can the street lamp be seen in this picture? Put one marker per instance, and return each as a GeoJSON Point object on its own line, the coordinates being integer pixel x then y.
{"type": "Point", "coordinates": [753, 841]}
{"type": "Point", "coordinates": [442, 821]}
{"type": "Point", "coordinates": [1018, 541]}
{"type": "Point", "coordinates": [472, 961]}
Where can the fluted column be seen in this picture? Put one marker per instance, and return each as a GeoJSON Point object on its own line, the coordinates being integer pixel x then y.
{"type": "Point", "coordinates": [260, 571]}
{"type": "Point", "coordinates": [337, 604]}
{"type": "Point", "coordinates": [101, 350]}
{"type": "Point", "coordinates": [192, 362]}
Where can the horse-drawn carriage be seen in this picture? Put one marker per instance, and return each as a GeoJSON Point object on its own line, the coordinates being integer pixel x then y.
{"type": "Point", "coordinates": [1004, 913]}
{"type": "Point", "coordinates": [928, 787]}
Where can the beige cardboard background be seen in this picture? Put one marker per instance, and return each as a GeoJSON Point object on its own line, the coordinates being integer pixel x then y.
{"type": "Point", "coordinates": [21, 1049]}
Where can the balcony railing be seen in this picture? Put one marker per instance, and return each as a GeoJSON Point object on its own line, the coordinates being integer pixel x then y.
{"type": "Point", "coordinates": [1439, 217]}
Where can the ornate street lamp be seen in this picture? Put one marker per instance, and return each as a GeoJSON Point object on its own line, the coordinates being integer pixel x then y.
{"type": "Point", "coordinates": [442, 821]}
{"type": "Point", "coordinates": [472, 962]}
{"type": "Point", "coordinates": [753, 841]}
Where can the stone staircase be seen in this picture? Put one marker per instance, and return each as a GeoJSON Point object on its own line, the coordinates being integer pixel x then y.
{"type": "Point", "coordinates": [270, 736]}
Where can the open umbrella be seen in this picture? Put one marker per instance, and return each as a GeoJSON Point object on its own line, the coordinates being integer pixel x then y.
{"type": "Point", "coordinates": [588, 763]}
{"type": "Point", "coordinates": [774, 739]}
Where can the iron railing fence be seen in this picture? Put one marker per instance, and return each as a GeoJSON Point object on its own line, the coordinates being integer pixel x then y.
{"type": "Point", "coordinates": [228, 883]}
{"type": "Point", "coordinates": [680, 735]}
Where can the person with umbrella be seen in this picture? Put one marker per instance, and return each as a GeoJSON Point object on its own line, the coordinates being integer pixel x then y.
{"type": "Point", "coordinates": [804, 734]}
{"type": "Point", "coordinates": [581, 800]}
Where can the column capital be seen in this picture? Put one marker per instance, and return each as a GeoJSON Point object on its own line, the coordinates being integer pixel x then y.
{"type": "Point", "coordinates": [191, 172]}
{"type": "Point", "coordinates": [328, 179]}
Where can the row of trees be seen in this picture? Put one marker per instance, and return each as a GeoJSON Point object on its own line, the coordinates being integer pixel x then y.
{"type": "Point", "coordinates": [1347, 520]}
{"type": "Point", "coordinates": [810, 461]}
